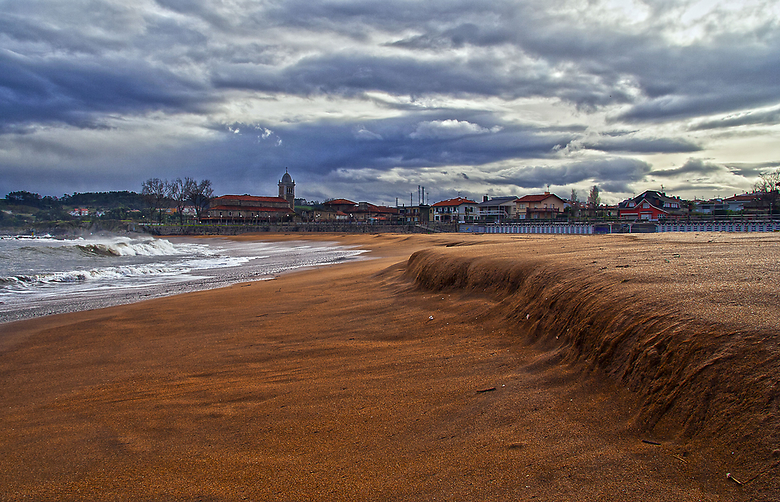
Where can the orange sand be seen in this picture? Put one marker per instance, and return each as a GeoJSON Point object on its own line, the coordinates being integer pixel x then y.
{"type": "Point", "coordinates": [487, 368]}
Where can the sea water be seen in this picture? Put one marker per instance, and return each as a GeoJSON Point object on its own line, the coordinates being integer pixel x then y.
{"type": "Point", "coordinates": [47, 275]}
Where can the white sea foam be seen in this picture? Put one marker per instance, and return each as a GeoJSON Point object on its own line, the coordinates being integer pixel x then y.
{"type": "Point", "coordinates": [42, 275]}
{"type": "Point", "coordinates": [129, 248]}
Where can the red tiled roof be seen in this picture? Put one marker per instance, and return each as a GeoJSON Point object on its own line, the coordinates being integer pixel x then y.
{"type": "Point", "coordinates": [454, 202]}
{"type": "Point", "coordinates": [386, 210]}
{"type": "Point", "coordinates": [248, 198]}
{"type": "Point", "coordinates": [536, 198]}
{"type": "Point", "coordinates": [745, 197]}
{"type": "Point", "coordinates": [371, 208]}
{"type": "Point", "coordinates": [339, 202]}
{"type": "Point", "coordinates": [249, 209]}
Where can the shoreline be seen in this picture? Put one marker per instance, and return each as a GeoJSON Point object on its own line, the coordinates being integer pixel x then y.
{"type": "Point", "coordinates": [199, 280]}
{"type": "Point", "coordinates": [402, 379]}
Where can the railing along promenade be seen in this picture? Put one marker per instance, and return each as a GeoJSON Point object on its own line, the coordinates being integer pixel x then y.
{"type": "Point", "coordinates": [522, 227]}
{"type": "Point", "coordinates": [618, 227]}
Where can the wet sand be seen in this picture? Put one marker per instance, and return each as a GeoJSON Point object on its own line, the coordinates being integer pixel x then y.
{"type": "Point", "coordinates": [435, 378]}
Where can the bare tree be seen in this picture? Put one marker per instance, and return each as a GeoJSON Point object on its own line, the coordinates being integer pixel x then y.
{"type": "Point", "coordinates": [198, 194]}
{"type": "Point", "coordinates": [178, 197]}
{"type": "Point", "coordinates": [155, 193]}
{"type": "Point", "coordinates": [768, 188]}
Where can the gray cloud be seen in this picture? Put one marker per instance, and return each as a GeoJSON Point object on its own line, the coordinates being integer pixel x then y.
{"type": "Point", "coordinates": [618, 173]}
{"type": "Point", "coordinates": [81, 93]}
{"type": "Point", "coordinates": [752, 170]}
{"type": "Point", "coordinates": [768, 117]}
{"type": "Point", "coordinates": [443, 85]}
{"type": "Point", "coordinates": [419, 141]}
{"type": "Point", "coordinates": [691, 167]}
{"type": "Point", "coordinates": [642, 145]}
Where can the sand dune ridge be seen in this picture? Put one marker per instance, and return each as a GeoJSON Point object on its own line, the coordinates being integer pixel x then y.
{"type": "Point", "coordinates": [707, 382]}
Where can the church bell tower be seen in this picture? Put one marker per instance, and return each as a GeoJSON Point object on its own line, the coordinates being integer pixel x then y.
{"type": "Point", "coordinates": [287, 189]}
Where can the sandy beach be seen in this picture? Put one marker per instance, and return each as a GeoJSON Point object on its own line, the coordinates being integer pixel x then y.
{"type": "Point", "coordinates": [445, 367]}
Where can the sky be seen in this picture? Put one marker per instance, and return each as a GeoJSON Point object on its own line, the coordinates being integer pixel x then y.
{"type": "Point", "coordinates": [368, 100]}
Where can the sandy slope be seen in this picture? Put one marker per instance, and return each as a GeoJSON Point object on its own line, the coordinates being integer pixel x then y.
{"type": "Point", "coordinates": [467, 375]}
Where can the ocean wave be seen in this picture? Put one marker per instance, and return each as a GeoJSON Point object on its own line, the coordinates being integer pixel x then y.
{"type": "Point", "coordinates": [132, 247]}
{"type": "Point", "coordinates": [110, 247]}
{"type": "Point", "coordinates": [27, 281]}
{"type": "Point", "coordinates": [80, 276]}
{"type": "Point", "coordinates": [48, 269]}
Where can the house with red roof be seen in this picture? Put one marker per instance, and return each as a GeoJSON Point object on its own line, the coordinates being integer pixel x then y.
{"type": "Point", "coordinates": [544, 206]}
{"type": "Point", "coordinates": [346, 210]}
{"type": "Point", "coordinates": [249, 208]}
{"type": "Point", "coordinates": [747, 202]}
{"type": "Point", "coordinates": [342, 205]}
{"type": "Point", "coordinates": [457, 210]}
{"type": "Point", "coordinates": [79, 212]}
{"type": "Point", "coordinates": [652, 206]}
{"type": "Point", "coordinates": [375, 214]}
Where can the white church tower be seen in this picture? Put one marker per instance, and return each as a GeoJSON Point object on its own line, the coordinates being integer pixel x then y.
{"type": "Point", "coordinates": [287, 189]}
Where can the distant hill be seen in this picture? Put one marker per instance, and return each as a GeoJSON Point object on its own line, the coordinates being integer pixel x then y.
{"type": "Point", "coordinates": [97, 200]}
{"type": "Point", "coordinates": [105, 200]}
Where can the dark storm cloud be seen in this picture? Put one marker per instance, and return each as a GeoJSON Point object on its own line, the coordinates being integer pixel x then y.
{"type": "Point", "coordinates": [412, 141]}
{"type": "Point", "coordinates": [83, 92]}
{"type": "Point", "coordinates": [642, 145]}
{"type": "Point", "coordinates": [23, 30]}
{"type": "Point", "coordinates": [725, 76]}
{"type": "Point", "coordinates": [618, 173]}
{"type": "Point", "coordinates": [354, 74]}
{"type": "Point", "coordinates": [752, 170]}
{"type": "Point", "coordinates": [529, 69]}
{"type": "Point", "coordinates": [695, 167]}
{"type": "Point", "coordinates": [701, 188]}
{"type": "Point", "coordinates": [549, 55]}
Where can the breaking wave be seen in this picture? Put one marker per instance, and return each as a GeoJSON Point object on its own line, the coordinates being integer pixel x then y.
{"type": "Point", "coordinates": [129, 247]}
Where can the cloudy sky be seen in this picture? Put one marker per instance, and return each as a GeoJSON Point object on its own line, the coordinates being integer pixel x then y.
{"type": "Point", "coordinates": [369, 99]}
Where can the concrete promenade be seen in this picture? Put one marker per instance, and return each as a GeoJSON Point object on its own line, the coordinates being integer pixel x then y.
{"type": "Point", "coordinates": [621, 227]}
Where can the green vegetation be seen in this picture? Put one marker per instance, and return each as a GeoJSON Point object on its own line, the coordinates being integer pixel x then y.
{"type": "Point", "coordinates": [23, 211]}
{"type": "Point", "coordinates": [178, 202]}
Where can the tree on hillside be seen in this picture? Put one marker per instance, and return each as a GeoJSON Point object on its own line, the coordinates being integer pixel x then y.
{"type": "Point", "coordinates": [155, 193]}
{"type": "Point", "coordinates": [198, 194]}
{"type": "Point", "coordinates": [768, 188]}
{"type": "Point", "coordinates": [23, 198]}
{"type": "Point", "coordinates": [105, 200]}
